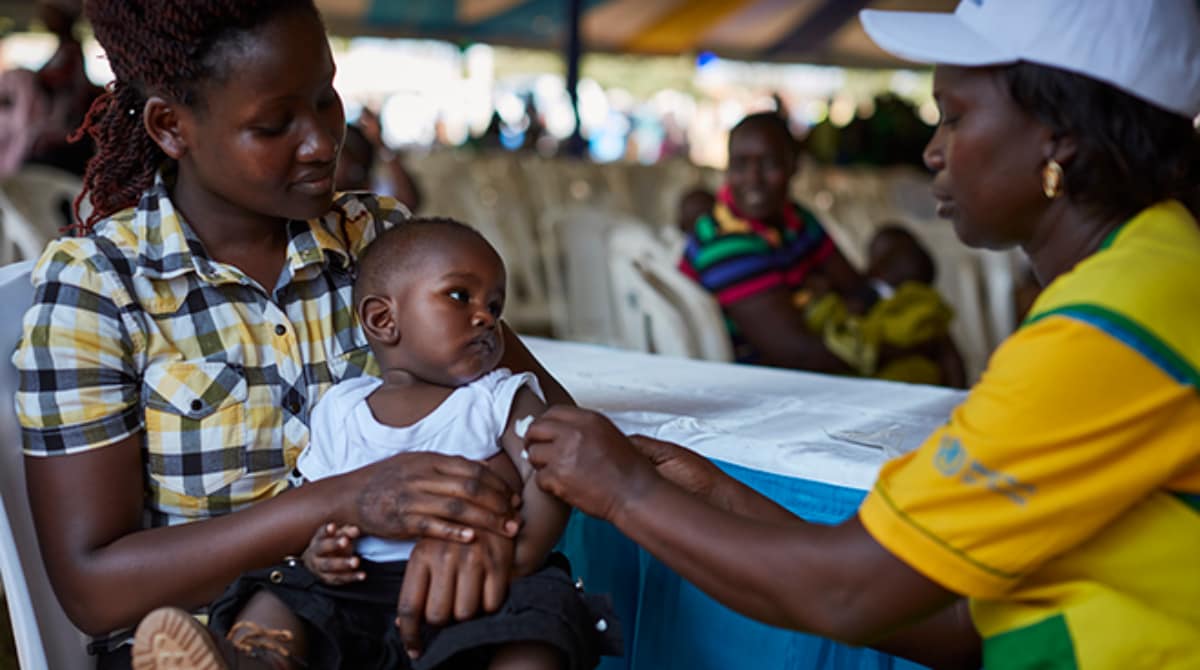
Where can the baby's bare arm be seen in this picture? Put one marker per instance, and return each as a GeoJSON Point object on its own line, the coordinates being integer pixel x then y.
{"type": "Point", "coordinates": [543, 515]}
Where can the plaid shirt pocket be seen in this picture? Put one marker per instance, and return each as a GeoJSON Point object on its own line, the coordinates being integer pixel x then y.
{"type": "Point", "coordinates": [196, 433]}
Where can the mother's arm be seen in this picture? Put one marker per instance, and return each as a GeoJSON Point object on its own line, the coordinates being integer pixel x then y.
{"type": "Point", "coordinates": [773, 325]}
{"type": "Point", "coordinates": [518, 358]}
{"type": "Point", "coordinates": [108, 572]}
{"type": "Point", "coordinates": [776, 328]}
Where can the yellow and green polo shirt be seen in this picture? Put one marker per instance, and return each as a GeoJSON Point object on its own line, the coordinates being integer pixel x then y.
{"type": "Point", "coordinates": [135, 329]}
{"type": "Point", "coordinates": [1063, 497]}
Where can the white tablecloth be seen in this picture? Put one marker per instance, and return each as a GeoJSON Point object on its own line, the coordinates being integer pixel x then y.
{"type": "Point", "coordinates": [828, 429]}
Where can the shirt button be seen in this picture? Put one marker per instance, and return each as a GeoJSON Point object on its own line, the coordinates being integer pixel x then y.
{"type": "Point", "coordinates": [197, 405]}
{"type": "Point", "coordinates": [294, 406]}
{"type": "Point", "coordinates": [280, 330]}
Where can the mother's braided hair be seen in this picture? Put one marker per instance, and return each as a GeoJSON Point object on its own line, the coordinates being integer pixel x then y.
{"type": "Point", "coordinates": [160, 47]}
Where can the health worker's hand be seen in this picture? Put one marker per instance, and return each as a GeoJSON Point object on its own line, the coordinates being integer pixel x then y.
{"type": "Point", "coordinates": [681, 466]}
{"type": "Point", "coordinates": [582, 458]}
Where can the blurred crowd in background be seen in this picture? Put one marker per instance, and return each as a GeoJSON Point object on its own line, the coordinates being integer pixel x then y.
{"type": "Point", "coordinates": [651, 131]}
{"type": "Point", "coordinates": [431, 94]}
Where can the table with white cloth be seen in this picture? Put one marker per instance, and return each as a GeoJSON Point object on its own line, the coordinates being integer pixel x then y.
{"type": "Point", "coordinates": [812, 443]}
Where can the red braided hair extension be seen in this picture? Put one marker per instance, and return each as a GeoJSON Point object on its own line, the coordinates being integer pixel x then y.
{"type": "Point", "coordinates": [160, 47]}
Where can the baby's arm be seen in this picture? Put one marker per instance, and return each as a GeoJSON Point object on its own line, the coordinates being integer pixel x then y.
{"type": "Point", "coordinates": [330, 554]}
{"type": "Point", "coordinates": [543, 515]}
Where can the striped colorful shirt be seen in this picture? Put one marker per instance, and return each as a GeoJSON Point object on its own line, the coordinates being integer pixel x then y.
{"type": "Point", "coordinates": [1063, 498]}
{"type": "Point", "coordinates": [735, 257]}
{"type": "Point", "coordinates": [136, 330]}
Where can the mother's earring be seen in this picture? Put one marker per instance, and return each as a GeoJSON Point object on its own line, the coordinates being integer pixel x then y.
{"type": "Point", "coordinates": [1052, 179]}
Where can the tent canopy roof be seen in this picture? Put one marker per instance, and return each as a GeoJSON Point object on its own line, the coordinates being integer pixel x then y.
{"type": "Point", "coordinates": [807, 31]}
{"type": "Point", "coordinates": [811, 31]}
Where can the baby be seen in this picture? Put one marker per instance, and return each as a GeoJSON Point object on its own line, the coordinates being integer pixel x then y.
{"type": "Point", "coordinates": [898, 328]}
{"type": "Point", "coordinates": [428, 295]}
{"type": "Point", "coordinates": [693, 204]}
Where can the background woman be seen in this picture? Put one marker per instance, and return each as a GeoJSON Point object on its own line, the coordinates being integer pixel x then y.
{"type": "Point", "coordinates": [756, 248]}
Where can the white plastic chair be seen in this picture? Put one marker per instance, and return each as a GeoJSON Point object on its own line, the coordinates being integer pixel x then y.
{"type": "Point", "coordinates": [674, 241]}
{"type": "Point", "coordinates": [908, 191]}
{"type": "Point", "coordinates": [636, 305]}
{"type": "Point", "coordinates": [45, 637]}
{"type": "Point", "coordinates": [32, 205]}
{"type": "Point", "coordinates": [19, 239]}
{"type": "Point", "coordinates": [41, 192]}
{"type": "Point", "coordinates": [658, 309]}
{"type": "Point", "coordinates": [635, 240]}
{"type": "Point", "coordinates": [1000, 270]}
{"type": "Point", "coordinates": [961, 285]}
{"type": "Point", "coordinates": [646, 320]}
{"type": "Point", "coordinates": [508, 200]}
{"type": "Point", "coordinates": [573, 242]}
{"type": "Point", "coordinates": [708, 334]}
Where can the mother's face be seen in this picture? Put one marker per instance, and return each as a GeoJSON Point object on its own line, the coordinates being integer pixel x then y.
{"type": "Point", "coordinates": [266, 141]}
{"type": "Point", "coordinates": [987, 156]}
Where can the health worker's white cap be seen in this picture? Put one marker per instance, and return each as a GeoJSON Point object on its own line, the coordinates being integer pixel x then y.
{"type": "Point", "coordinates": [1147, 48]}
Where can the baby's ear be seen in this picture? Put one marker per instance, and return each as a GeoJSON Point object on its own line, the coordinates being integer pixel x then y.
{"type": "Point", "coordinates": [377, 315]}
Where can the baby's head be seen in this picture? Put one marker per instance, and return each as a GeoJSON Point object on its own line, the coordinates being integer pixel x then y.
{"type": "Point", "coordinates": [695, 203]}
{"type": "Point", "coordinates": [895, 256]}
{"type": "Point", "coordinates": [429, 294]}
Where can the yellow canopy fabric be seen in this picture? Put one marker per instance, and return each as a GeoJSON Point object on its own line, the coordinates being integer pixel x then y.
{"type": "Point", "coordinates": [814, 31]}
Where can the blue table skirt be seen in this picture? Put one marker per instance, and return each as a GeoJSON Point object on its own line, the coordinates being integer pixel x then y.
{"type": "Point", "coordinates": [670, 624]}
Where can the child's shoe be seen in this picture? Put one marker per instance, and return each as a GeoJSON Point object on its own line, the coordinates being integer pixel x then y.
{"type": "Point", "coordinates": [171, 639]}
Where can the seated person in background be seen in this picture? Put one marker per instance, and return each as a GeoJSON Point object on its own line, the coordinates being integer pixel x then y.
{"type": "Point", "coordinates": [428, 296]}
{"type": "Point", "coordinates": [69, 93]}
{"type": "Point", "coordinates": [757, 247]}
{"type": "Point", "coordinates": [695, 203]}
{"type": "Point", "coordinates": [22, 113]}
{"type": "Point", "coordinates": [897, 328]}
{"type": "Point", "coordinates": [356, 164]}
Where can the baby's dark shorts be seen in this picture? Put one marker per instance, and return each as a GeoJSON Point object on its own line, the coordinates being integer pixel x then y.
{"type": "Point", "coordinates": [353, 626]}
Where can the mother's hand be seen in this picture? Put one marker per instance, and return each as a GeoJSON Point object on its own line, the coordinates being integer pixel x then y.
{"type": "Point", "coordinates": [433, 495]}
{"type": "Point", "coordinates": [582, 458]}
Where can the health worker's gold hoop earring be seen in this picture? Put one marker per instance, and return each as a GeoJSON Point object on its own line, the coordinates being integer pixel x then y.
{"type": "Point", "coordinates": [1052, 179]}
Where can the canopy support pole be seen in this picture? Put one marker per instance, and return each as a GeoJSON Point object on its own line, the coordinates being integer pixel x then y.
{"type": "Point", "coordinates": [574, 46]}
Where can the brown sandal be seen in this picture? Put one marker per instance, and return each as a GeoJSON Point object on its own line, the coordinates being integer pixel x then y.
{"type": "Point", "coordinates": [172, 639]}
